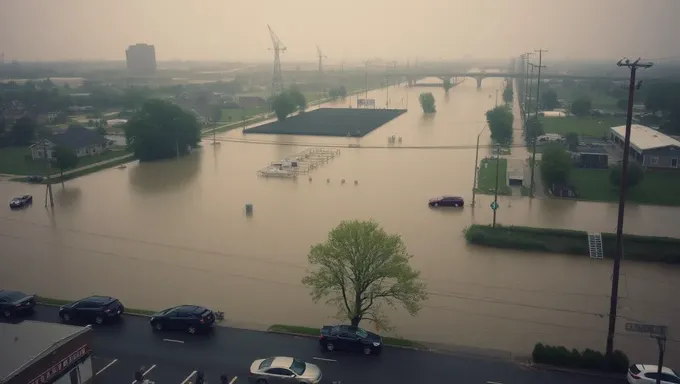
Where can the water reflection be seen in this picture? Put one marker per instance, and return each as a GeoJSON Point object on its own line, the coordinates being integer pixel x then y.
{"type": "Point", "coordinates": [427, 120]}
{"type": "Point", "coordinates": [67, 196]}
{"type": "Point", "coordinates": [165, 176]}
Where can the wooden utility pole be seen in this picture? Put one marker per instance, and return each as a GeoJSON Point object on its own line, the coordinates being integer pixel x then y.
{"type": "Point", "coordinates": [633, 66]}
{"type": "Point", "coordinates": [538, 98]}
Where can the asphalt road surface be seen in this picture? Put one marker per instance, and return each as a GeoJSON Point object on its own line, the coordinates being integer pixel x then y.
{"type": "Point", "coordinates": [174, 357]}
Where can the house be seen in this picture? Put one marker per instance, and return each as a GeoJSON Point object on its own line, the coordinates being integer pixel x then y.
{"type": "Point", "coordinates": [83, 141]}
{"type": "Point", "coordinates": [590, 157]}
{"type": "Point", "coordinates": [252, 102]}
{"type": "Point", "coordinates": [648, 147]}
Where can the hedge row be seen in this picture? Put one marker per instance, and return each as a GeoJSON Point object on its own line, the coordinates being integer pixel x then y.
{"type": "Point", "coordinates": [644, 248]}
{"type": "Point", "coordinates": [588, 359]}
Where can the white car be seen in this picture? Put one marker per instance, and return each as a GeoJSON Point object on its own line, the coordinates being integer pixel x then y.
{"type": "Point", "coordinates": [647, 374]}
{"type": "Point", "coordinates": [281, 370]}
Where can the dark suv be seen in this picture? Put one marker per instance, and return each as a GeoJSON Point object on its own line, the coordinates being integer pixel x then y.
{"type": "Point", "coordinates": [93, 309]}
{"type": "Point", "coordinates": [191, 318]}
{"type": "Point", "coordinates": [13, 303]}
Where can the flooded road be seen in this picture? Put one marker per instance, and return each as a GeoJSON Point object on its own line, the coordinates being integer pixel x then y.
{"type": "Point", "coordinates": [174, 232]}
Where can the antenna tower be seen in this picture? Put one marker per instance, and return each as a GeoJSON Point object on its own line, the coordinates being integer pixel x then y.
{"type": "Point", "coordinates": [321, 56]}
{"type": "Point", "coordinates": [277, 77]}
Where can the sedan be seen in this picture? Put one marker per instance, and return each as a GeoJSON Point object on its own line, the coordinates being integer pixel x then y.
{"type": "Point", "coordinates": [349, 338]}
{"type": "Point", "coordinates": [21, 201]}
{"type": "Point", "coordinates": [191, 318]}
{"type": "Point", "coordinates": [446, 201]}
{"type": "Point", "coordinates": [14, 303]}
{"type": "Point", "coordinates": [648, 374]}
{"type": "Point", "coordinates": [283, 370]}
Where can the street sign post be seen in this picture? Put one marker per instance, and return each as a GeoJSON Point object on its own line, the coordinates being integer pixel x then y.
{"type": "Point", "coordinates": [659, 332]}
{"type": "Point", "coordinates": [494, 205]}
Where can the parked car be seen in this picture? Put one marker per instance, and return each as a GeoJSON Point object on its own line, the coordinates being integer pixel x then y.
{"type": "Point", "coordinates": [281, 369]}
{"type": "Point", "coordinates": [348, 338]}
{"type": "Point", "coordinates": [35, 179]}
{"type": "Point", "coordinates": [446, 201]}
{"type": "Point", "coordinates": [13, 303]}
{"type": "Point", "coordinates": [97, 309]}
{"type": "Point", "coordinates": [647, 374]}
{"type": "Point", "coordinates": [191, 318]}
{"type": "Point", "coordinates": [21, 201]}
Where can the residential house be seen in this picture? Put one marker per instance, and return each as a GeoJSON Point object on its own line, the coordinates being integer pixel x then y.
{"type": "Point", "coordinates": [83, 141]}
{"type": "Point", "coordinates": [648, 147]}
{"type": "Point", "coordinates": [590, 157]}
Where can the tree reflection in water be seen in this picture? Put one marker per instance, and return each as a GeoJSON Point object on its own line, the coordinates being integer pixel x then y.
{"type": "Point", "coordinates": [167, 175]}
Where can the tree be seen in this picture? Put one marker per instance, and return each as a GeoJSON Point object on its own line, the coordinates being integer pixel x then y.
{"type": "Point", "coordinates": [23, 131]}
{"type": "Point", "coordinates": [361, 267]}
{"type": "Point", "coordinates": [572, 140]}
{"type": "Point", "coordinates": [500, 124]}
{"type": "Point", "coordinates": [283, 105]}
{"type": "Point", "coordinates": [337, 92]}
{"type": "Point", "coordinates": [581, 106]}
{"type": "Point", "coordinates": [556, 165]}
{"type": "Point", "coordinates": [427, 102]}
{"type": "Point", "coordinates": [64, 158]}
{"type": "Point", "coordinates": [534, 129]}
{"type": "Point", "coordinates": [447, 85]}
{"type": "Point", "coordinates": [622, 104]}
{"type": "Point", "coordinates": [635, 175]}
{"type": "Point", "coordinates": [507, 93]}
{"type": "Point", "coordinates": [549, 99]}
{"type": "Point", "coordinates": [160, 129]}
{"type": "Point", "coordinates": [298, 98]}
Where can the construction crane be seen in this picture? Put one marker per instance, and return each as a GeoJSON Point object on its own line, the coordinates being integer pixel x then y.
{"type": "Point", "coordinates": [321, 56]}
{"type": "Point", "coordinates": [277, 77]}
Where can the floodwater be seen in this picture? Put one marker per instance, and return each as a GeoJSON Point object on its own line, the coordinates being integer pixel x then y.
{"type": "Point", "coordinates": [175, 232]}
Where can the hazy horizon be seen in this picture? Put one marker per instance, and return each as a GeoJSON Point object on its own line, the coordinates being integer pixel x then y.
{"type": "Point", "coordinates": [65, 30]}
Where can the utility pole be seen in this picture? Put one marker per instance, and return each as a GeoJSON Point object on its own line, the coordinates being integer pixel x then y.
{"type": "Point", "coordinates": [495, 193]}
{"type": "Point", "coordinates": [474, 182]}
{"type": "Point", "coordinates": [538, 98]}
{"type": "Point", "coordinates": [527, 105]}
{"type": "Point", "coordinates": [526, 81]}
{"type": "Point", "coordinates": [622, 201]}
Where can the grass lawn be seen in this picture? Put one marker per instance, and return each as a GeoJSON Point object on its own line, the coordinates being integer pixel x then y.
{"type": "Point", "coordinates": [17, 161]}
{"type": "Point", "coordinates": [583, 126]}
{"type": "Point", "coordinates": [240, 114]}
{"type": "Point", "coordinates": [486, 178]}
{"type": "Point", "coordinates": [315, 332]}
{"type": "Point", "coordinates": [658, 187]}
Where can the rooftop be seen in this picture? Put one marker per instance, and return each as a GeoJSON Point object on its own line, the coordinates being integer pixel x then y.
{"type": "Point", "coordinates": [643, 138]}
{"type": "Point", "coordinates": [78, 137]}
{"type": "Point", "coordinates": [28, 340]}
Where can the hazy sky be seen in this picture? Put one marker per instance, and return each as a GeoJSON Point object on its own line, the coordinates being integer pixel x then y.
{"type": "Point", "coordinates": [344, 29]}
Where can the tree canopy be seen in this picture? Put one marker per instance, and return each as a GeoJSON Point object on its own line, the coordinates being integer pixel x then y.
{"type": "Point", "coordinates": [549, 99]}
{"type": "Point", "coordinates": [534, 129]}
{"type": "Point", "coordinates": [556, 165]}
{"type": "Point", "coordinates": [360, 268]}
{"type": "Point", "coordinates": [283, 105]}
{"type": "Point", "coordinates": [339, 92]}
{"type": "Point", "coordinates": [635, 174]}
{"type": "Point", "coordinates": [64, 158]}
{"type": "Point", "coordinates": [447, 85]}
{"type": "Point", "coordinates": [581, 106]}
{"type": "Point", "coordinates": [427, 102]}
{"type": "Point", "coordinates": [500, 124]}
{"type": "Point", "coordinates": [23, 131]}
{"type": "Point", "coordinates": [298, 98]}
{"type": "Point", "coordinates": [159, 129]}
{"type": "Point", "coordinates": [507, 92]}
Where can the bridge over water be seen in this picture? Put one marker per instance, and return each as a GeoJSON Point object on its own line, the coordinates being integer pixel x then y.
{"type": "Point", "coordinates": [413, 76]}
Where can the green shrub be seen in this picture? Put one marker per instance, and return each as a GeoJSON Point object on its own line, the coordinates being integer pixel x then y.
{"type": "Point", "coordinates": [589, 359]}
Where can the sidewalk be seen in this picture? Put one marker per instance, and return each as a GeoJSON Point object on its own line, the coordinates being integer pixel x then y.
{"type": "Point", "coordinates": [70, 171]}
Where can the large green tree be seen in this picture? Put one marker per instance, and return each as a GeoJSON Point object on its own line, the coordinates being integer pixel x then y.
{"type": "Point", "coordinates": [534, 129]}
{"type": "Point", "coordinates": [507, 92]}
{"type": "Point", "coordinates": [64, 158]}
{"type": "Point", "coordinates": [635, 174]}
{"type": "Point", "coordinates": [360, 268]}
{"type": "Point", "coordinates": [556, 165]}
{"type": "Point", "coordinates": [549, 99]}
{"type": "Point", "coordinates": [581, 106]}
{"type": "Point", "coordinates": [447, 85]}
{"type": "Point", "coordinates": [500, 124]}
{"type": "Point", "coordinates": [427, 102]}
{"type": "Point", "coordinates": [283, 105]}
{"type": "Point", "coordinates": [298, 98]}
{"type": "Point", "coordinates": [23, 131]}
{"type": "Point", "coordinates": [160, 129]}
{"type": "Point", "coordinates": [337, 92]}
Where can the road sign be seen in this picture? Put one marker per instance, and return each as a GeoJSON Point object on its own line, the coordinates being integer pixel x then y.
{"type": "Point", "coordinates": [494, 205]}
{"type": "Point", "coordinates": [652, 329]}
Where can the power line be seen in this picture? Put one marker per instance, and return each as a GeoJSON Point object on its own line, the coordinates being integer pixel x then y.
{"type": "Point", "coordinates": [538, 101]}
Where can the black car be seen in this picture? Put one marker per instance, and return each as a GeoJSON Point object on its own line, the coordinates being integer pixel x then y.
{"type": "Point", "coordinates": [14, 303]}
{"type": "Point", "coordinates": [21, 201]}
{"type": "Point", "coordinates": [446, 201]}
{"type": "Point", "coordinates": [93, 309]}
{"type": "Point", "coordinates": [191, 318]}
{"type": "Point", "coordinates": [348, 338]}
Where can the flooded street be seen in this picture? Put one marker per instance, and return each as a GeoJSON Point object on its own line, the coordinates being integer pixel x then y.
{"type": "Point", "coordinates": [162, 234]}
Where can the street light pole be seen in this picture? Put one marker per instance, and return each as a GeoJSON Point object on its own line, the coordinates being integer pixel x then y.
{"type": "Point", "coordinates": [495, 193]}
{"type": "Point", "coordinates": [474, 181]}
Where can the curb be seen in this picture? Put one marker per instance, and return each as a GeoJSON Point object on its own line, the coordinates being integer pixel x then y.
{"type": "Point", "coordinates": [125, 313]}
{"type": "Point", "coordinates": [577, 371]}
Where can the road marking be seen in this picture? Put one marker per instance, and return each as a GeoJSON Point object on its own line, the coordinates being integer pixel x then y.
{"type": "Point", "coordinates": [152, 367]}
{"type": "Point", "coordinates": [189, 377]}
{"type": "Point", "coordinates": [107, 365]}
{"type": "Point", "coordinates": [322, 359]}
{"type": "Point", "coordinates": [234, 379]}
{"type": "Point", "coordinates": [174, 341]}
{"type": "Point", "coordinates": [493, 382]}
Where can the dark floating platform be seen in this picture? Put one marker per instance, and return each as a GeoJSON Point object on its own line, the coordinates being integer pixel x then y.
{"type": "Point", "coordinates": [354, 122]}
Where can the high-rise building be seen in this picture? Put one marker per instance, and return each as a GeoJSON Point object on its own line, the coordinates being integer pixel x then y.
{"type": "Point", "coordinates": [141, 59]}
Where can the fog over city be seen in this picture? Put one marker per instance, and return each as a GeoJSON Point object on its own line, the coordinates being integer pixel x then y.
{"type": "Point", "coordinates": [347, 30]}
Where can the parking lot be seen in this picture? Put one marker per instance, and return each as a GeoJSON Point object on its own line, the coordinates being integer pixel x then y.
{"type": "Point", "coordinates": [119, 371]}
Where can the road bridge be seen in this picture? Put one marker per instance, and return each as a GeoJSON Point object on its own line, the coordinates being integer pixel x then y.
{"type": "Point", "coordinates": [413, 76]}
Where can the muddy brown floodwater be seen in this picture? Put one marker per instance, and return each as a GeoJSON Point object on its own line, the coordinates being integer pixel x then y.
{"type": "Point", "coordinates": [174, 232]}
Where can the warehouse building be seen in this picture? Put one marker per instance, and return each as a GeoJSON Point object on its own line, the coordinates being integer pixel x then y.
{"type": "Point", "coordinates": [648, 147]}
{"type": "Point", "coordinates": [34, 352]}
